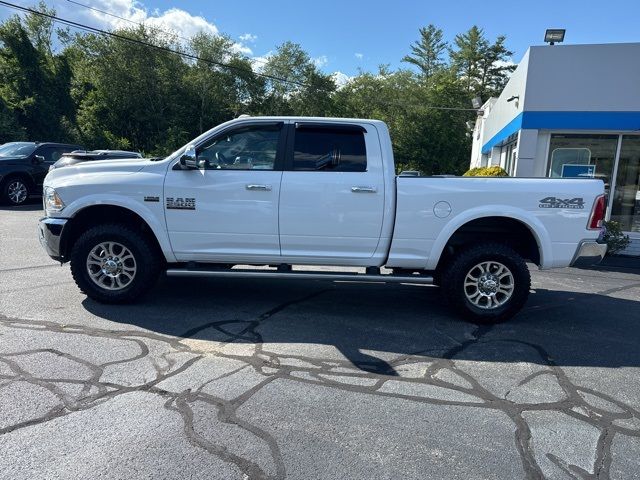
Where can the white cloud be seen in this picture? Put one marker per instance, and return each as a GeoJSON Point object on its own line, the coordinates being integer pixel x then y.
{"type": "Point", "coordinates": [257, 63]}
{"type": "Point", "coordinates": [248, 38]}
{"type": "Point", "coordinates": [243, 49]}
{"type": "Point", "coordinates": [113, 14]}
{"type": "Point", "coordinates": [359, 56]}
{"type": "Point", "coordinates": [341, 79]}
{"type": "Point", "coordinates": [504, 63]}
{"type": "Point", "coordinates": [320, 61]}
{"type": "Point", "coordinates": [125, 13]}
{"type": "Point", "coordinates": [181, 22]}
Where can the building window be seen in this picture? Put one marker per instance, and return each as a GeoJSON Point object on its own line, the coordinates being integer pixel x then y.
{"type": "Point", "coordinates": [578, 155]}
{"type": "Point", "coordinates": [626, 197]}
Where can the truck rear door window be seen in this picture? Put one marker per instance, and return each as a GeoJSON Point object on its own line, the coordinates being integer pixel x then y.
{"type": "Point", "coordinates": [335, 150]}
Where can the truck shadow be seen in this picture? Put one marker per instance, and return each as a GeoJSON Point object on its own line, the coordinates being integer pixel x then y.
{"type": "Point", "coordinates": [378, 327]}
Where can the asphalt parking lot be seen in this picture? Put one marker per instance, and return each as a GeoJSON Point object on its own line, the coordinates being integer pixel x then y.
{"type": "Point", "coordinates": [212, 378]}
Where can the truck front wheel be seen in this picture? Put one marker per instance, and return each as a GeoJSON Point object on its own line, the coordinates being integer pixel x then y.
{"type": "Point", "coordinates": [114, 264]}
{"type": "Point", "coordinates": [487, 283]}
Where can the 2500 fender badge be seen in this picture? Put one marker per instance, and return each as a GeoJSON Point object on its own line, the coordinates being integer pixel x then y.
{"type": "Point", "coordinates": [180, 203]}
{"type": "Point", "coordinates": [555, 202]}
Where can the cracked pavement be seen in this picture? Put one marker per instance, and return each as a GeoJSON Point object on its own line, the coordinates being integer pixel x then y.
{"type": "Point", "coordinates": [252, 379]}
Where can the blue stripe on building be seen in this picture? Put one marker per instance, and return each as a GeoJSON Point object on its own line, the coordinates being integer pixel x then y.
{"type": "Point", "coordinates": [509, 129]}
{"type": "Point", "coordinates": [566, 121]}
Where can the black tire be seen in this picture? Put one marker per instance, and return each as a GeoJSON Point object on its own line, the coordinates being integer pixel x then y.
{"type": "Point", "coordinates": [146, 261]}
{"type": "Point", "coordinates": [463, 263]}
{"type": "Point", "coordinates": [8, 191]}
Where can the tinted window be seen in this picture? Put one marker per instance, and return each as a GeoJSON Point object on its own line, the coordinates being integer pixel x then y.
{"type": "Point", "coordinates": [17, 149]}
{"type": "Point", "coordinates": [249, 148]}
{"type": "Point", "coordinates": [329, 150]}
{"type": "Point", "coordinates": [52, 154]}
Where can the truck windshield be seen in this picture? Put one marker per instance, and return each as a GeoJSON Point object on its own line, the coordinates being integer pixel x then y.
{"type": "Point", "coordinates": [17, 149]}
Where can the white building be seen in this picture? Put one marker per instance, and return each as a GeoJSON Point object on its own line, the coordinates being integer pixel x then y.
{"type": "Point", "coordinates": [571, 110]}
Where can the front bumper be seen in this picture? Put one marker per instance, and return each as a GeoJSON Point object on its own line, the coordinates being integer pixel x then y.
{"type": "Point", "coordinates": [589, 252]}
{"type": "Point", "coordinates": [50, 232]}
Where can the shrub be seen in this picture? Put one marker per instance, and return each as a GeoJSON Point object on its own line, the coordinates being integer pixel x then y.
{"type": "Point", "coordinates": [616, 240]}
{"type": "Point", "coordinates": [494, 171]}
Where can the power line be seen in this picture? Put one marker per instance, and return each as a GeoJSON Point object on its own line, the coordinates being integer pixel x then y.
{"type": "Point", "coordinates": [99, 31]}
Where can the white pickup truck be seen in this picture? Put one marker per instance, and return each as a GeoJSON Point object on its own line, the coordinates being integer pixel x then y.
{"type": "Point", "coordinates": [263, 196]}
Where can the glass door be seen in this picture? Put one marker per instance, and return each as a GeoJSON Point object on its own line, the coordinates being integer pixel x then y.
{"type": "Point", "coordinates": [626, 198]}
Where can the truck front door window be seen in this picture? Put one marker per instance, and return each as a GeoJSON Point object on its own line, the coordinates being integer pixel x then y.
{"type": "Point", "coordinates": [250, 148]}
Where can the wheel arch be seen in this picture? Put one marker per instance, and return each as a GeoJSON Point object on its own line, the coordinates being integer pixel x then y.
{"type": "Point", "coordinates": [102, 213]}
{"type": "Point", "coordinates": [522, 232]}
{"type": "Point", "coordinates": [22, 175]}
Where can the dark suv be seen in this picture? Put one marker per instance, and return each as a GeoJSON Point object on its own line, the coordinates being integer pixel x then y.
{"type": "Point", "coordinates": [23, 166]}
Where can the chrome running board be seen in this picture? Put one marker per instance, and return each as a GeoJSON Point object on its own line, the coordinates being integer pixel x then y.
{"type": "Point", "coordinates": [302, 274]}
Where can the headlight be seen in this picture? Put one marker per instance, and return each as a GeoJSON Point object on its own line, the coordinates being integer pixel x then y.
{"type": "Point", "coordinates": [52, 201]}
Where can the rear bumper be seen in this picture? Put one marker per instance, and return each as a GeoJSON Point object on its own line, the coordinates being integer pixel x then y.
{"type": "Point", "coordinates": [49, 232]}
{"type": "Point", "coordinates": [589, 252]}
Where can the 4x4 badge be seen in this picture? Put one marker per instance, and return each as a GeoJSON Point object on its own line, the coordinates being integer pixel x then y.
{"type": "Point", "coordinates": [555, 202]}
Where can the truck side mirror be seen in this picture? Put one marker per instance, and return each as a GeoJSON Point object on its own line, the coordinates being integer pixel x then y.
{"type": "Point", "coordinates": [38, 159]}
{"type": "Point", "coordinates": [188, 158]}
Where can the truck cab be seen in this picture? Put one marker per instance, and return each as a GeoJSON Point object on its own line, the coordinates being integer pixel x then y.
{"type": "Point", "coordinates": [284, 192]}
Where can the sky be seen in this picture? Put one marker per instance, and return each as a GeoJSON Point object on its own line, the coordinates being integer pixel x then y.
{"type": "Point", "coordinates": [347, 36]}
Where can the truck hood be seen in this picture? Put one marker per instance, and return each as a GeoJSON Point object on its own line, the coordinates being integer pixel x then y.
{"type": "Point", "coordinates": [117, 164]}
{"type": "Point", "coordinates": [88, 171]}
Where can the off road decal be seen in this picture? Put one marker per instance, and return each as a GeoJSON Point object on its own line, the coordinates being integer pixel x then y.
{"type": "Point", "coordinates": [151, 199]}
{"type": "Point", "coordinates": [180, 203]}
{"type": "Point", "coordinates": [555, 202]}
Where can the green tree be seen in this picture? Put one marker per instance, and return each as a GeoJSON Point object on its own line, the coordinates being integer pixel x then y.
{"type": "Point", "coordinates": [305, 91]}
{"type": "Point", "coordinates": [432, 140]}
{"type": "Point", "coordinates": [484, 67]}
{"type": "Point", "coordinates": [427, 52]}
{"type": "Point", "coordinates": [220, 93]}
{"type": "Point", "coordinates": [40, 28]}
{"type": "Point", "coordinates": [36, 82]}
{"type": "Point", "coordinates": [111, 92]}
{"type": "Point", "coordinates": [131, 95]}
{"type": "Point", "coordinates": [10, 129]}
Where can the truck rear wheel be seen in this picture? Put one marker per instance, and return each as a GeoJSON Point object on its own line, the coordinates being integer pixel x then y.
{"type": "Point", "coordinates": [114, 264]}
{"type": "Point", "coordinates": [487, 283]}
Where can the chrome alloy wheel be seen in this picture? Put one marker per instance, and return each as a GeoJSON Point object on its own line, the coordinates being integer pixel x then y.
{"type": "Point", "coordinates": [111, 265]}
{"type": "Point", "coordinates": [17, 192]}
{"type": "Point", "coordinates": [489, 285]}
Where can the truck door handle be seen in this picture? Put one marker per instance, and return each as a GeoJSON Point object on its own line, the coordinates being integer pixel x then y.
{"type": "Point", "coordinates": [361, 189]}
{"type": "Point", "coordinates": [264, 188]}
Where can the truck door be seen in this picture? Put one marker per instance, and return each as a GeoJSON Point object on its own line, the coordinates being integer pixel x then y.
{"type": "Point", "coordinates": [229, 206]}
{"type": "Point", "coordinates": [332, 193]}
